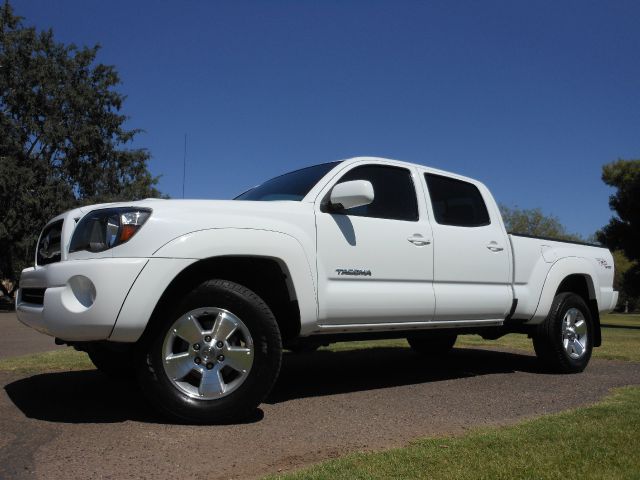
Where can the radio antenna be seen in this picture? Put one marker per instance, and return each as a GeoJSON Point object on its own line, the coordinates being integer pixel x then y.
{"type": "Point", "coordinates": [184, 163]}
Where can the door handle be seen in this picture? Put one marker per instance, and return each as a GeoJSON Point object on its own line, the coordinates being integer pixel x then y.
{"type": "Point", "coordinates": [418, 240]}
{"type": "Point", "coordinates": [494, 247]}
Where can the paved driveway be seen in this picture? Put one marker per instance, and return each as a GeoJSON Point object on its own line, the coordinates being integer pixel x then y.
{"type": "Point", "coordinates": [18, 339]}
{"type": "Point", "coordinates": [83, 425]}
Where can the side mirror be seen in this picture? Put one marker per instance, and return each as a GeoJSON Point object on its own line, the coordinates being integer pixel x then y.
{"type": "Point", "coordinates": [351, 194]}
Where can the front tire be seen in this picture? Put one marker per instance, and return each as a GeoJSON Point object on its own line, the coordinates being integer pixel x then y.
{"type": "Point", "coordinates": [214, 358]}
{"type": "Point", "coordinates": [564, 341]}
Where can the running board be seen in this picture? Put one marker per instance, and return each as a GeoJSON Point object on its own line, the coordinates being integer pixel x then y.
{"type": "Point", "coordinates": [405, 326]}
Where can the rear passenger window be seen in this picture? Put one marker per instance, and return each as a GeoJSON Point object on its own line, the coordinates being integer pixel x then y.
{"type": "Point", "coordinates": [395, 195]}
{"type": "Point", "coordinates": [456, 202]}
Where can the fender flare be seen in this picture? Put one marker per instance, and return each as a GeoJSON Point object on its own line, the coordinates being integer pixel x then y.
{"type": "Point", "coordinates": [558, 272]}
{"type": "Point", "coordinates": [176, 255]}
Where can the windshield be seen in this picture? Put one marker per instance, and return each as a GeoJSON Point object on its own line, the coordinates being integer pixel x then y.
{"type": "Point", "coordinates": [290, 186]}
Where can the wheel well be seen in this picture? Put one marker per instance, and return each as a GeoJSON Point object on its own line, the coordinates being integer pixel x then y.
{"type": "Point", "coordinates": [577, 284]}
{"type": "Point", "coordinates": [582, 285]}
{"type": "Point", "coordinates": [267, 277]}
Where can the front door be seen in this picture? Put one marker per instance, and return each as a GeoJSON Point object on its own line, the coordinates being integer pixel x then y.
{"type": "Point", "coordinates": [375, 262]}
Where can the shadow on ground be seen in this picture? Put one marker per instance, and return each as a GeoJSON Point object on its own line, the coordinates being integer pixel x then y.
{"type": "Point", "coordinates": [628, 327]}
{"type": "Point", "coordinates": [91, 397]}
{"type": "Point", "coordinates": [329, 373]}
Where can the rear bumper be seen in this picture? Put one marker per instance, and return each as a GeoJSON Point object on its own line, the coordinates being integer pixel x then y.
{"type": "Point", "coordinates": [614, 301]}
{"type": "Point", "coordinates": [82, 298]}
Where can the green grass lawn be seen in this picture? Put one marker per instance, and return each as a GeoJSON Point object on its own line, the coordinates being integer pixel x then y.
{"type": "Point", "coordinates": [597, 442]}
{"type": "Point", "coordinates": [621, 320]}
{"type": "Point", "coordinates": [57, 360]}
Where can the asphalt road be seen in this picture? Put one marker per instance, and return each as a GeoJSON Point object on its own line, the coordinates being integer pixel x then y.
{"type": "Point", "coordinates": [83, 425]}
{"type": "Point", "coordinates": [18, 339]}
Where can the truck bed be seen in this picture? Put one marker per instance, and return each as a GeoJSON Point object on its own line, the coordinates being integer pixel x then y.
{"type": "Point", "coordinates": [536, 258]}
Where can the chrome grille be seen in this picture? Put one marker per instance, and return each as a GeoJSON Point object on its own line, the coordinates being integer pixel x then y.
{"type": "Point", "coordinates": [32, 295]}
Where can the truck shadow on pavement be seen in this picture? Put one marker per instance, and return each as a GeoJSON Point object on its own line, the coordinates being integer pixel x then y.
{"type": "Point", "coordinates": [91, 397]}
{"type": "Point", "coordinates": [330, 373]}
{"type": "Point", "coordinates": [85, 396]}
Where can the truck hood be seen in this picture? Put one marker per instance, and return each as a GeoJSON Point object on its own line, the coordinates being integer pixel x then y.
{"type": "Point", "coordinates": [195, 209]}
{"type": "Point", "coordinates": [171, 219]}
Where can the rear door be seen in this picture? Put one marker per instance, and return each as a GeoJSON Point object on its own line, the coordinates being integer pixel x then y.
{"type": "Point", "coordinates": [472, 258]}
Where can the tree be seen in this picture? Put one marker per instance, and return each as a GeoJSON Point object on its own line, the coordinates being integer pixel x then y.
{"type": "Point", "coordinates": [626, 301]}
{"type": "Point", "coordinates": [534, 222]}
{"type": "Point", "coordinates": [623, 230]}
{"type": "Point", "coordinates": [63, 141]}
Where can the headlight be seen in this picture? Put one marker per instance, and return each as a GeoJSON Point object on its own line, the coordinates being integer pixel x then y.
{"type": "Point", "coordinates": [104, 229]}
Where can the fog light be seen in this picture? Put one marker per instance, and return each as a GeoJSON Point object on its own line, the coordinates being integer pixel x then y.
{"type": "Point", "coordinates": [79, 294]}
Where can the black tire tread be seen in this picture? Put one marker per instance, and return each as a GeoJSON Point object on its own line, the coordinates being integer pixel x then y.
{"type": "Point", "coordinates": [240, 406]}
{"type": "Point", "coordinates": [546, 344]}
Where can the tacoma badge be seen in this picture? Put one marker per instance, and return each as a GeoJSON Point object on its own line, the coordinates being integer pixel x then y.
{"type": "Point", "coordinates": [356, 272]}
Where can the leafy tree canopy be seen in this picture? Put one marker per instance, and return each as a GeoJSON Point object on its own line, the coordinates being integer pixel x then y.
{"type": "Point", "coordinates": [627, 300]}
{"type": "Point", "coordinates": [623, 230]}
{"type": "Point", "coordinates": [534, 222]}
{"type": "Point", "coordinates": [63, 139]}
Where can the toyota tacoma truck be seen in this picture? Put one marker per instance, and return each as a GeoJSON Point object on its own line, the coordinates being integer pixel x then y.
{"type": "Point", "coordinates": [198, 298]}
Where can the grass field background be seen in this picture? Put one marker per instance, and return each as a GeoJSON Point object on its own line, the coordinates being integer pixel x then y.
{"type": "Point", "coordinates": [620, 341]}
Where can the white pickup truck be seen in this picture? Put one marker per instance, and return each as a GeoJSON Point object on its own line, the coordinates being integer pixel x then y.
{"type": "Point", "coordinates": [199, 298]}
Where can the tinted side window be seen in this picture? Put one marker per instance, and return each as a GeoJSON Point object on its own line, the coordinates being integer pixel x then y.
{"type": "Point", "coordinates": [456, 202]}
{"type": "Point", "coordinates": [395, 195]}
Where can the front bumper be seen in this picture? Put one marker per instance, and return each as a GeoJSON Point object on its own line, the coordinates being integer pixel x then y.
{"type": "Point", "coordinates": [82, 297]}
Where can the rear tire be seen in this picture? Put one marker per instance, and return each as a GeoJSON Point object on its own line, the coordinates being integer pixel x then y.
{"type": "Point", "coordinates": [432, 344]}
{"type": "Point", "coordinates": [564, 341]}
{"type": "Point", "coordinates": [214, 357]}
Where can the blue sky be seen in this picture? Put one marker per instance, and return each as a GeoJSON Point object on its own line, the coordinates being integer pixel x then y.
{"type": "Point", "coordinates": [532, 98]}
